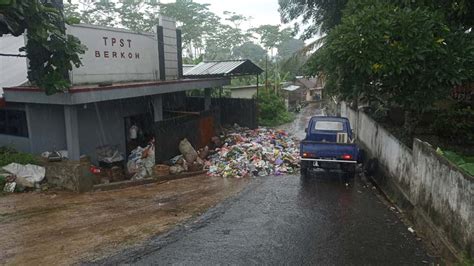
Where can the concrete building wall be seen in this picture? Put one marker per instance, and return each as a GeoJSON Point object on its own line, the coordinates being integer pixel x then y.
{"type": "Point", "coordinates": [103, 123]}
{"type": "Point", "coordinates": [47, 131]}
{"type": "Point", "coordinates": [115, 55]}
{"type": "Point", "coordinates": [19, 143]}
{"type": "Point", "coordinates": [99, 124]}
{"type": "Point", "coordinates": [436, 187]}
{"type": "Point", "coordinates": [170, 47]}
{"type": "Point", "coordinates": [13, 69]}
{"type": "Point", "coordinates": [244, 93]}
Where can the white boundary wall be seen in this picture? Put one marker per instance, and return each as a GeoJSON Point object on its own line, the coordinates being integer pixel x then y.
{"type": "Point", "coordinates": [430, 182]}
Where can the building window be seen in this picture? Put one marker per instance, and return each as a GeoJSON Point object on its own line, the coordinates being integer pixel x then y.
{"type": "Point", "coordinates": [13, 122]}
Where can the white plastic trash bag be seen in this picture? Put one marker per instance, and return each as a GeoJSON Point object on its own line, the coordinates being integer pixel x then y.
{"type": "Point", "coordinates": [32, 173]}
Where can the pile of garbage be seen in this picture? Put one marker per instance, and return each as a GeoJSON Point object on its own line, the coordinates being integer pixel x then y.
{"type": "Point", "coordinates": [259, 152]}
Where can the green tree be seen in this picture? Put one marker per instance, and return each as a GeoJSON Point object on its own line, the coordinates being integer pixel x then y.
{"type": "Point", "coordinates": [250, 50]}
{"type": "Point", "coordinates": [319, 16]}
{"type": "Point", "coordinates": [459, 14]}
{"type": "Point", "coordinates": [269, 35]}
{"type": "Point", "coordinates": [101, 13]}
{"type": "Point", "coordinates": [196, 22]}
{"type": "Point", "coordinates": [50, 51]}
{"type": "Point", "coordinates": [395, 55]}
{"type": "Point", "coordinates": [288, 48]}
{"type": "Point", "coordinates": [272, 109]}
{"type": "Point", "coordinates": [138, 16]}
{"type": "Point", "coordinates": [220, 45]}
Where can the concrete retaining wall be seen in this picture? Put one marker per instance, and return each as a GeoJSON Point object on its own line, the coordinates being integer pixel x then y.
{"type": "Point", "coordinates": [70, 175]}
{"type": "Point", "coordinates": [436, 189]}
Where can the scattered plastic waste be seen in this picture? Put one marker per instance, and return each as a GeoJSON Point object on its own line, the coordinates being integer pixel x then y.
{"type": "Point", "coordinates": [141, 162]}
{"type": "Point", "coordinates": [260, 152]}
{"type": "Point", "coordinates": [55, 156]}
{"type": "Point", "coordinates": [109, 154]}
{"type": "Point", "coordinates": [176, 169]}
{"type": "Point", "coordinates": [411, 230]}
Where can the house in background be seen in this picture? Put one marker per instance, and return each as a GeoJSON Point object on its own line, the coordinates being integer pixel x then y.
{"type": "Point", "coordinates": [313, 85]}
{"type": "Point", "coordinates": [294, 95]}
{"type": "Point", "coordinates": [242, 92]}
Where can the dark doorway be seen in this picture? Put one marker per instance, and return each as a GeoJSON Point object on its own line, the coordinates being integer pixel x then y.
{"type": "Point", "coordinates": [143, 124]}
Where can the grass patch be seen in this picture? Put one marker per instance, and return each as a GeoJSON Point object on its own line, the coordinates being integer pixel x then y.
{"type": "Point", "coordinates": [284, 118]}
{"type": "Point", "coordinates": [10, 155]}
{"type": "Point", "coordinates": [464, 162]}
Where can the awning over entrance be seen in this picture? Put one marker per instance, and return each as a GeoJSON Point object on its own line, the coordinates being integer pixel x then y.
{"type": "Point", "coordinates": [227, 68]}
{"type": "Point", "coordinates": [95, 93]}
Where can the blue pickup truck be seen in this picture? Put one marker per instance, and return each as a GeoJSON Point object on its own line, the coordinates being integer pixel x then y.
{"type": "Point", "coordinates": [329, 144]}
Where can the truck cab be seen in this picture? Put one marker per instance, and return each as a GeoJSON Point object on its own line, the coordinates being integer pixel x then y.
{"type": "Point", "coordinates": [329, 144]}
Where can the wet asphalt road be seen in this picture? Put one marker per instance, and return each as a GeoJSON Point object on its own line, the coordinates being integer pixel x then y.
{"type": "Point", "coordinates": [285, 220]}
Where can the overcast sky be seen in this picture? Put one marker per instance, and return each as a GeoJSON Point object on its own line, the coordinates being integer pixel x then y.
{"type": "Point", "coordinates": [261, 11]}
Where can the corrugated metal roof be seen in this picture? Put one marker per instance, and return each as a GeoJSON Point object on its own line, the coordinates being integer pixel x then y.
{"type": "Point", "coordinates": [13, 70]}
{"type": "Point", "coordinates": [224, 68]}
{"type": "Point", "coordinates": [308, 83]}
{"type": "Point", "coordinates": [187, 67]}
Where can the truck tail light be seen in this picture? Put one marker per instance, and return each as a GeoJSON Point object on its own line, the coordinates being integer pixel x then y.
{"type": "Point", "coordinates": [307, 155]}
{"type": "Point", "coordinates": [347, 157]}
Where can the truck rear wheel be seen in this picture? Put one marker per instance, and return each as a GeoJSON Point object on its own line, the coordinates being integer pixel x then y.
{"type": "Point", "coordinates": [350, 175]}
{"type": "Point", "coordinates": [304, 169]}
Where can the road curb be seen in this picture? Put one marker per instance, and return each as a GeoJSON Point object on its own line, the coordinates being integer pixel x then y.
{"type": "Point", "coordinates": [416, 216]}
{"type": "Point", "coordinates": [133, 183]}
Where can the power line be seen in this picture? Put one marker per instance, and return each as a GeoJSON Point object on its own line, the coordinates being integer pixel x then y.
{"type": "Point", "coordinates": [13, 55]}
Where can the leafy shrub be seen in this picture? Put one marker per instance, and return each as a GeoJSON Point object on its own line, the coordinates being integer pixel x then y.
{"type": "Point", "coordinates": [455, 124]}
{"type": "Point", "coordinates": [2, 183]}
{"type": "Point", "coordinates": [272, 109]}
{"type": "Point", "coordinates": [464, 162]}
{"type": "Point", "coordinates": [9, 155]}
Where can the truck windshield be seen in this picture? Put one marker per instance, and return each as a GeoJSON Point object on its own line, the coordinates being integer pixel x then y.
{"type": "Point", "coordinates": [328, 125]}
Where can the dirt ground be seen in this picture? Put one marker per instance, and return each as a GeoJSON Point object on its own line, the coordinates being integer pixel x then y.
{"type": "Point", "coordinates": [64, 228]}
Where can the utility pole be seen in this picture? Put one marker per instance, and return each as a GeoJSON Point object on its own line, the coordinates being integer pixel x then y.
{"type": "Point", "coordinates": [266, 70]}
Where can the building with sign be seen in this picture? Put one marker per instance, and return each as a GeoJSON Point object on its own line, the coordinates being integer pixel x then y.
{"type": "Point", "coordinates": [127, 78]}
